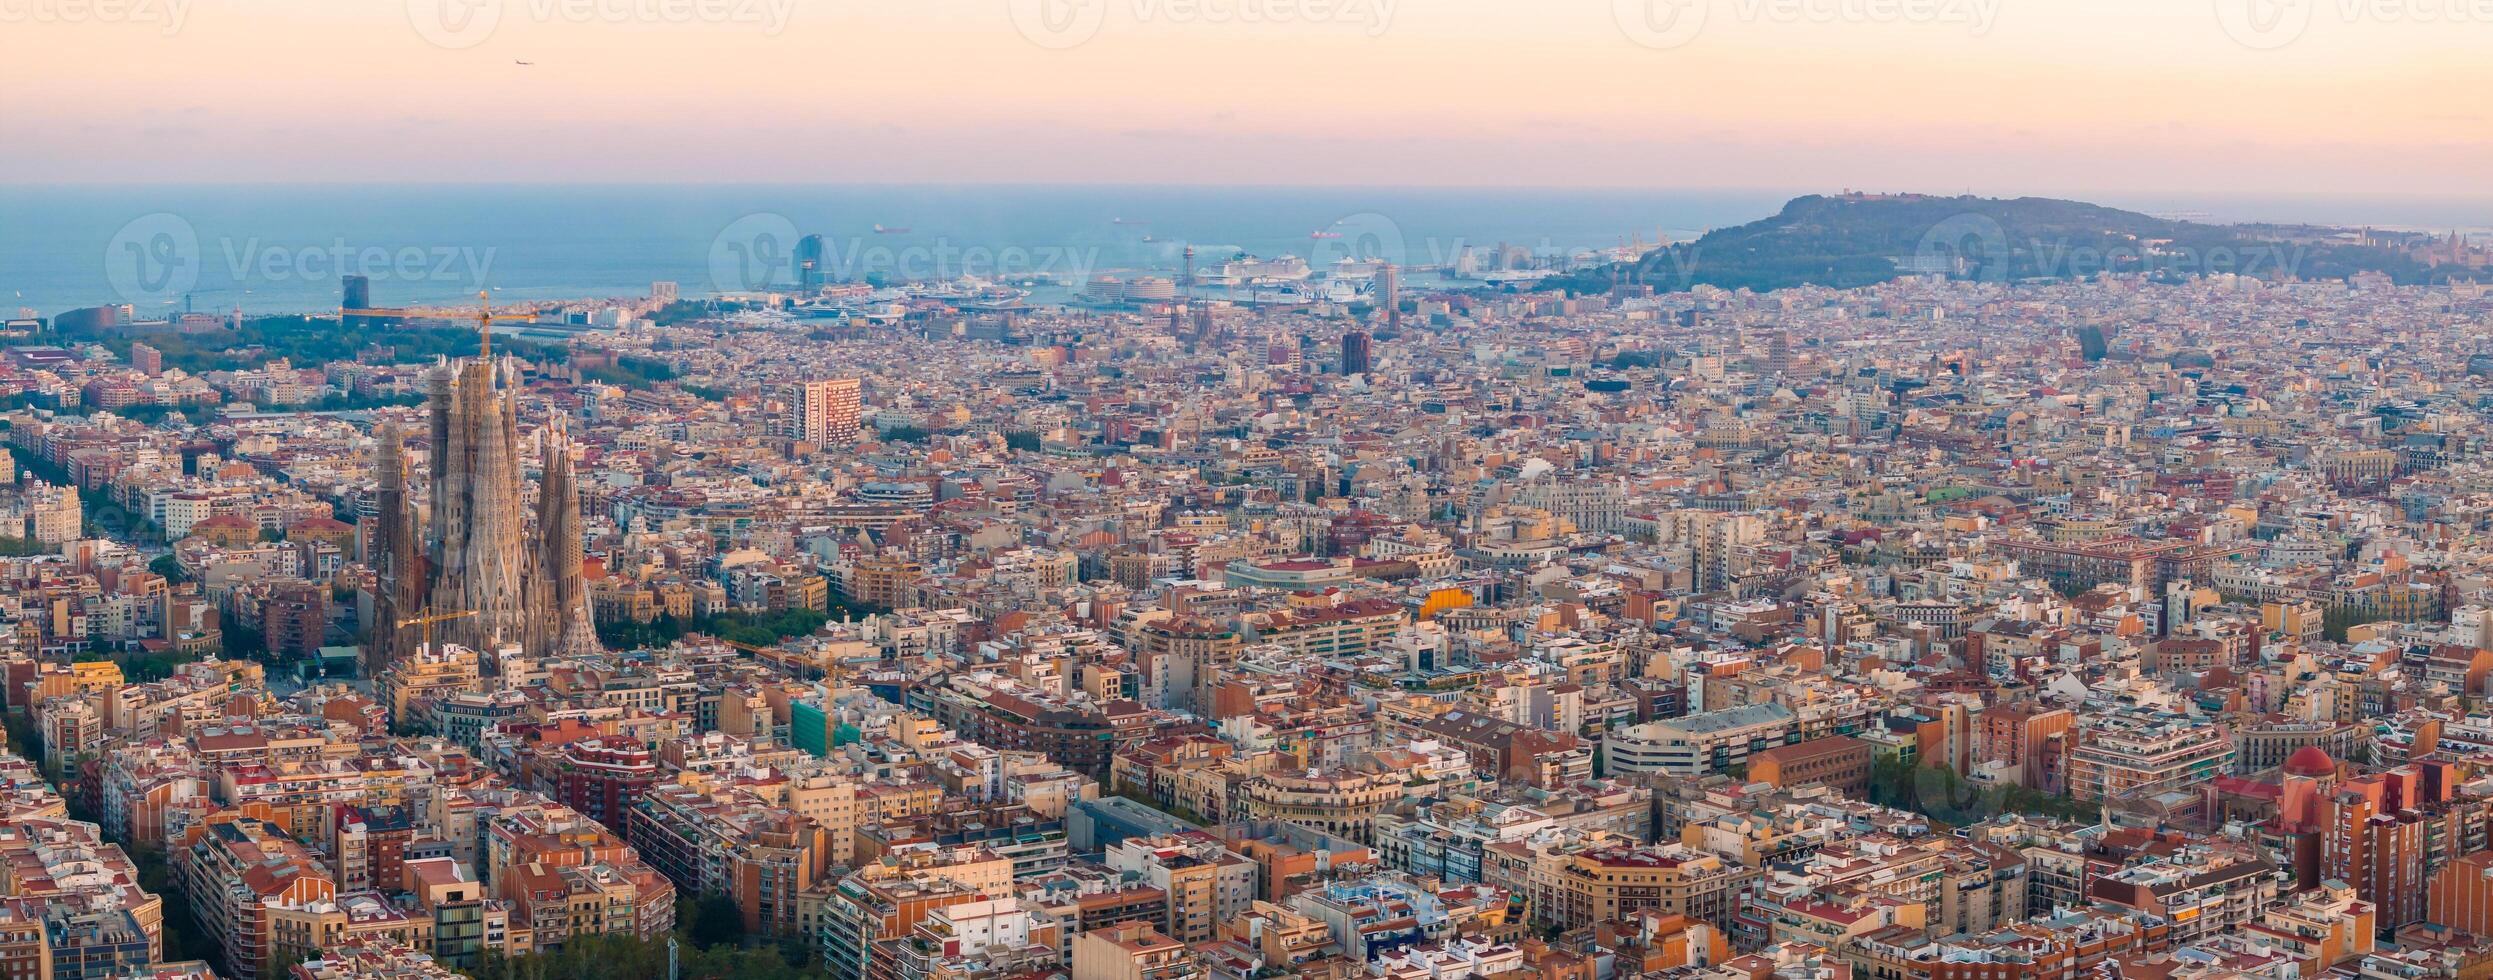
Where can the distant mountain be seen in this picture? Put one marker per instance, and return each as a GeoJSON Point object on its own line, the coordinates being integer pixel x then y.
{"type": "Point", "coordinates": [1859, 239]}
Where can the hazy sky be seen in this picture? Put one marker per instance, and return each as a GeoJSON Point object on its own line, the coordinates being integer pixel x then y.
{"type": "Point", "coordinates": [1992, 96]}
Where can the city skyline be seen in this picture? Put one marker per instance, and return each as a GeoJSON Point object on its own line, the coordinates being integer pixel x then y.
{"type": "Point", "coordinates": [1246, 490]}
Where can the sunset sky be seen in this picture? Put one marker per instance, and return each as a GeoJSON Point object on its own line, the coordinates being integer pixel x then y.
{"type": "Point", "coordinates": [1989, 96]}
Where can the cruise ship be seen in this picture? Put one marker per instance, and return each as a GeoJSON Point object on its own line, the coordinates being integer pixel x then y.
{"type": "Point", "coordinates": [1251, 270]}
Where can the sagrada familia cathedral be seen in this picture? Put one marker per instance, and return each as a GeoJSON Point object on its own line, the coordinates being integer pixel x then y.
{"type": "Point", "coordinates": [478, 571]}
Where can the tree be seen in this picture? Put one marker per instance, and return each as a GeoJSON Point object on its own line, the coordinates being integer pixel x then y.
{"type": "Point", "coordinates": [170, 567]}
{"type": "Point", "coordinates": [244, 643]}
{"type": "Point", "coordinates": [11, 547]}
{"type": "Point", "coordinates": [715, 921]}
{"type": "Point", "coordinates": [1024, 441]}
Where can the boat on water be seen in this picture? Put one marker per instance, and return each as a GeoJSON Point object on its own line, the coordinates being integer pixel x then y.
{"type": "Point", "coordinates": [1345, 290]}
{"type": "Point", "coordinates": [1324, 234]}
{"type": "Point", "coordinates": [880, 230]}
{"type": "Point", "coordinates": [1127, 221]}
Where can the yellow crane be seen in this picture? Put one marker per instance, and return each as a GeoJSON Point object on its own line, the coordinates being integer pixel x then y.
{"type": "Point", "coordinates": [484, 322]}
{"type": "Point", "coordinates": [429, 618]}
{"type": "Point", "coordinates": [780, 657]}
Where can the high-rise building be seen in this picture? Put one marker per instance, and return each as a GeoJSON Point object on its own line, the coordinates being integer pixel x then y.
{"type": "Point", "coordinates": [1389, 296]}
{"type": "Point", "coordinates": [53, 514]}
{"type": "Point", "coordinates": [822, 412]}
{"type": "Point", "coordinates": [148, 360]}
{"type": "Point", "coordinates": [809, 266]}
{"type": "Point", "coordinates": [664, 292]}
{"type": "Point", "coordinates": [1778, 355]}
{"type": "Point", "coordinates": [294, 618]}
{"type": "Point", "coordinates": [1357, 355]}
{"type": "Point", "coordinates": [2373, 838]}
{"type": "Point", "coordinates": [356, 292]}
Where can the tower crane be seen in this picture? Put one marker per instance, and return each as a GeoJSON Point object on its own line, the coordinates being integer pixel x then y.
{"type": "Point", "coordinates": [429, 618]}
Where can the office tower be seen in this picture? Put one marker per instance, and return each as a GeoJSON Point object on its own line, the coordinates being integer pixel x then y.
{"type": "Point", "coordinates": [1356, 354]}
{"type": "Point", "coordinates": [2091, 342]}
{"type": "Point", "coordinates": [1775, 360]}
{"type": "Point", "coordinates": [148, 360]}
{"type": "Point", "coordinates": [822, 412]}
{"type": "Point", "coordinates": [809, 264]}
{"type": "Point", "coordinates": [1389, 296]}
{"type": "Point", "coordinates": [357, 292]}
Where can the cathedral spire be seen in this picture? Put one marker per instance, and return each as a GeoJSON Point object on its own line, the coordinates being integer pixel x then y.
{"type": "Point", "coordinates": [482, 534]}
{"type": "Point", "coordinates": [566, 594]}
{"type": "Point", "coordinates": [400, 584]}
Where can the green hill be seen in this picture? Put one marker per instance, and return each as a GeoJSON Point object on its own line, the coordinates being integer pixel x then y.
{"type": "Point", "coordinates": [1858, 240]}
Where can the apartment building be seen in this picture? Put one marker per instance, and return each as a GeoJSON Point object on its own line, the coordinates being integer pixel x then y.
{"type": "Point", "coordinates": [1698, 744]}
{"type": "Point", "coordinates": [2127, 752]}
{"type": "Point", "coordinates": [1205, 884]}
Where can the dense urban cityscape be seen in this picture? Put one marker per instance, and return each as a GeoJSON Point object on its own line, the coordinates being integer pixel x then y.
{"type": "Point", "coordinates": [1527, 619]}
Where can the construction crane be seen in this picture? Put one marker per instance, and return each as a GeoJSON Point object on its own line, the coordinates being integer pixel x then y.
{"type": "Point", "coordinates": [429, 618]}
{"type": "Point", "coordinates": [778, 657]}
{"type": "Point", "coordinates": [485, 318]}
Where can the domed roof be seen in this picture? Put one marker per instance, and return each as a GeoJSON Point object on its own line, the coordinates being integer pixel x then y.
{"type": "Point", "coordinates": [2310, 760]}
